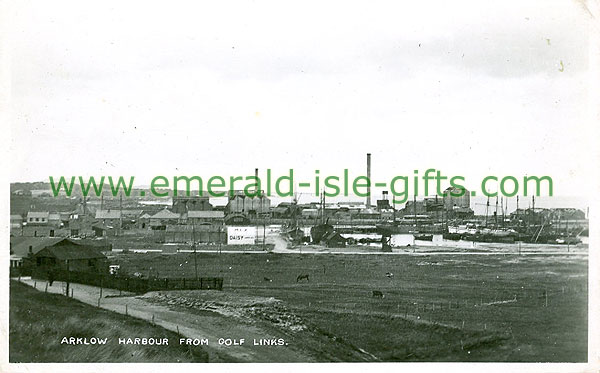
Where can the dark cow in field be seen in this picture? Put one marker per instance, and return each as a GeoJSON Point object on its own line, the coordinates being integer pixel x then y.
{"type": "Point", "coordinates": [302, 277]}
{"type": "Point", "coordinates": [378, 294]}
{"type": "Point", "coordinates": [267, 279]}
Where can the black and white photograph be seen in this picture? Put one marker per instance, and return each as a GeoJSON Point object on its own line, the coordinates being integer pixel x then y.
{"type": "Point", "coordinates": [402, 184]}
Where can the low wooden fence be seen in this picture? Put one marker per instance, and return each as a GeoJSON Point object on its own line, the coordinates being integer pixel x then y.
{"type": "Point", "coordinates": [131, 284]}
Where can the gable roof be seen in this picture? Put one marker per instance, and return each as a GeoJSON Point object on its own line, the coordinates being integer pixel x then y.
{"type": "Point", "coordinates": [165, 214]}
{"type": "Point", "coordinates": [206, 214]}
{"type": "Point", "coordinates": [132, 213]}
{"type": "Point", "coordinates": [108, 214]}
{"type": "Point", "coordinates": [70, 250]}
{"type": "Point", "coordinates": [20, 245]}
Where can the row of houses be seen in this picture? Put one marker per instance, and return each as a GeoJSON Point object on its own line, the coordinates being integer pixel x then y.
{"type": "Point", "coordinates": [106, 222]}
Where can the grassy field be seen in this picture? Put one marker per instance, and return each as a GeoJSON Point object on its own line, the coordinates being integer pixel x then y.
{"type": "Point", "coordinates": [515, 308]}
{"type": "Point", "coordinates": [39, 321]}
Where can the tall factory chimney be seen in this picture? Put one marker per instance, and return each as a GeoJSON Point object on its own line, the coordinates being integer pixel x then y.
{"type": "Point", "coordinates": [369, 177]}
{"type": "Point", "coordinates": [256, 191]}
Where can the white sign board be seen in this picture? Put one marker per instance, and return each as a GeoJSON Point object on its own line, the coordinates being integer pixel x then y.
{"type": "Point", "coordinates": [241, 235]}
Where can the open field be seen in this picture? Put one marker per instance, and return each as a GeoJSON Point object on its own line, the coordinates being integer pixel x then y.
{"type": "Point", "coordinates": [435, 308]}
{"type": "Point", "coordinates": [39, 321]}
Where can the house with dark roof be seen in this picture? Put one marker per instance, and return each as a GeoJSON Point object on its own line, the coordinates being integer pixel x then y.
{"type": "Point", "coordinates": [71, 256]}
{"type": "Point", "coordinates": [22, 248]}
{"type": "Point", "coordinates": [109, 218]}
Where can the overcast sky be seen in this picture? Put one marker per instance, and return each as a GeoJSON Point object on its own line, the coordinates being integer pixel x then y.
{"type": "Point", "coordinates": [204, 88]}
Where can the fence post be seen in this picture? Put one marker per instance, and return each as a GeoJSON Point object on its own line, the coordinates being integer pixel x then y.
{"type": "Point", "coordinates": [35, 284]}
{"type": "Point", "coordinates": [126, 309]}
{"type": "Point", "coordinates": [72, 292]}
{"type": "Point", "coordinates": [46, 290]}
{"type": "Point", "coordinates": [99, 302]}
{"type": "Point", "coordinates": [100, 288]}
{"type": "Point", "coordinates": [153, 320]}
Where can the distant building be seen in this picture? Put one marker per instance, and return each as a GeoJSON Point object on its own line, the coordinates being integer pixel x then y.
{"type": "Point", "coordinates": [39, 231]}
{"type": "Point", "coordinates": [204, 217]}
{"type": "Point", "coordinates": [109, 218]}
{"type": "Point", "coordinates": [37, 217]}
{"type": "Point", "coordinates": [182, 204]}
{"type": "Point", "coordinates": [456, 198]}
{"type": "Point", "coordinates": [241, 203]}
{"type": "Point", "coordinates": [143, 221]}
{"type": "Point", "coordinates": [80, 225]}
{"type": "Point", "coordinates": [236, 219]}
{"type": "Point", "coordinates": [162, 218]}
{"type": "Point", "coordinates": [103, 230]}
{"type": "Point", "coordinates": [16, 225]}
{"type": "Point", "coordinates": [384, 203]}
{"type": "Point", "coordinates": [414, 207]}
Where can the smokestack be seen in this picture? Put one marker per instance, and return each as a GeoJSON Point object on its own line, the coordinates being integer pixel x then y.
{"type": "Point", "coordinates": [369, 177]}
{"type": "Point", "coordinates": [256, 180]}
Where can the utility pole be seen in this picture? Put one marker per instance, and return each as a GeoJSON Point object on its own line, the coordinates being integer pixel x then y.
{"type": "Point", "coordinates": [487, 207]}
{"type": "Point", "coordinates": [518, 210]}
{"type": "Point", "coordinates": [194, 247]}
{"type": "Point", "coordinates": [496, 214]}
{"type": "Point", "coordinates": [219, 239]}
{"type": "Point", "coordinates": [264, 234]}
{"type": "Point", "coordinates": [415, 211]}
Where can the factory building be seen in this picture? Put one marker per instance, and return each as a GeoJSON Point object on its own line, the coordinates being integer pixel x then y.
{"type": "Point", "coordinates": [240, 203]}
{"type": "Point", "coordinates": [183, 204]}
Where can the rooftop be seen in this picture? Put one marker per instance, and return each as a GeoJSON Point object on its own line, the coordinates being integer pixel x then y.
{"type": "Point", "coordinates": [108, 214]}
{"type": "Point", "coordinates": [205, 214]}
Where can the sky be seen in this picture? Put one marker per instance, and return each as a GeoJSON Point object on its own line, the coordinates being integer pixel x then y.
{"type": "Point", "coordinates": [220, 88]}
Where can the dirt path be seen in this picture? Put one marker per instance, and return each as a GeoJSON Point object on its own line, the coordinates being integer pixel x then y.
{"type": "Point", "coordinates": [205, 325]}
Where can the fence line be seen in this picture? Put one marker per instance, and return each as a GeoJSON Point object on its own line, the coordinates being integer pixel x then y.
{"type": "Point", "coordinates": [132, 284]}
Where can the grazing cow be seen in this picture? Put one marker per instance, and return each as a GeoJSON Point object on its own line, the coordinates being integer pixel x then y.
{"type": "Point", "coordinates": [389, 275]}
{"type": "Point", "coordinates": [302, 277]}
{"type": "Point", "coordinates": [267, 279]}
{"type": "Point", "coordinates": [378, 294]}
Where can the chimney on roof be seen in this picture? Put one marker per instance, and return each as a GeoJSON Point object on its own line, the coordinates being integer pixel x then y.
{"type": "Point", "coordinates": [369, 182]}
